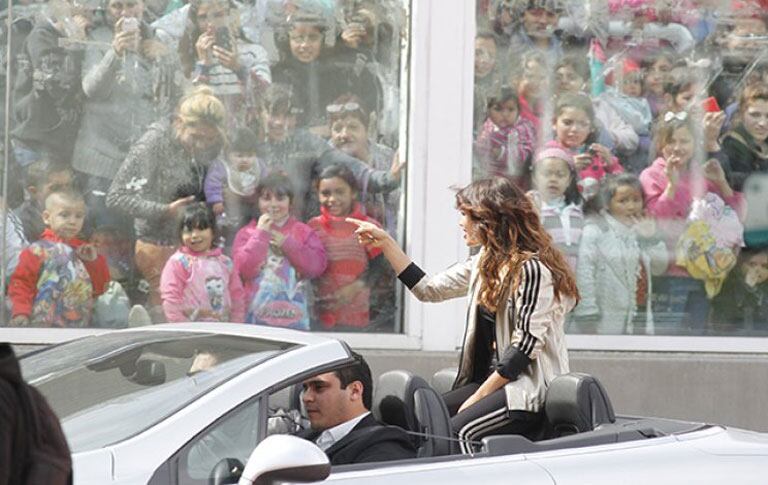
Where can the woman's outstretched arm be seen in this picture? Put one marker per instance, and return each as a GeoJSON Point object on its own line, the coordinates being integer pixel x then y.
{"type": "Point", "coordinates": [373, 236]}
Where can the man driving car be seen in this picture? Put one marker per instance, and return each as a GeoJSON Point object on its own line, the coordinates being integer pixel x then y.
{"type": "Point", "coordinates": [338, 404]}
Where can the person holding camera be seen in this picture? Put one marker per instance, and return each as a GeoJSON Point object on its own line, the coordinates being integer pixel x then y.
{"type": "Point", "coordinates": [126, 70]}
{"type": "Point", "coordinates": [215, 52]}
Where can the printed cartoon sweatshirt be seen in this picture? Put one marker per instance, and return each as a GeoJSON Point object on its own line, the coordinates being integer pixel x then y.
{"type": "Point", "coordinates": [201, 286]}
{"type": "Point", "coordinates": [302, 247]}
{"type": "Point", "coordinates": [53, 285]}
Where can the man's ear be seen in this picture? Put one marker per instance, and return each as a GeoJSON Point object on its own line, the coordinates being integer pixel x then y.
{"type": "Point", "coordinates": [46, 217]}
{"type": "Point", "coordinates": [355, 391]}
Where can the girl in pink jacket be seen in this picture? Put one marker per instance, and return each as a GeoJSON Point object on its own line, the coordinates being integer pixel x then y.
{"type": "Point", "coordinates": [671, 183]}
{"type": "Point", "coordinates": [276, 256]}
{"type": "Point", "coordinates": [199, 283]}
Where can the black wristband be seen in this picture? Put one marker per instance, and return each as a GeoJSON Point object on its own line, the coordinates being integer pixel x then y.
{"type": "Point", "coordinates": [411, 275]}
{"type": "Point", "coordinates": [512, 363]}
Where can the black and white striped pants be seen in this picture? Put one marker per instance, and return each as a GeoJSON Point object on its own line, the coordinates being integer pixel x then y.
{"type": "Point", "coordinates": [487, 417]}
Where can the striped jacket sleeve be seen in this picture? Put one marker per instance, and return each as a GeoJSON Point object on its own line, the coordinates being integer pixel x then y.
{"type": "Point", "coordinates": [532, 317]}
{"type": "Point", "coordinates": [450, 283]}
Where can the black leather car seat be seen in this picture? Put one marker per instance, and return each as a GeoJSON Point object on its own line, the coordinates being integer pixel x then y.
{"type": "Point", "coordinates": [406, 400]}
{"type": "Point", "coordinates": [576, 403]}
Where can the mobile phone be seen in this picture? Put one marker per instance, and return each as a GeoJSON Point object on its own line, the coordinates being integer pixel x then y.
{"type": "Point", "coordinates": [130, 24]}
{"type": "Point", "coordinates": [710, 105]}
{"type": "Point", "coordinates": [223, 39]}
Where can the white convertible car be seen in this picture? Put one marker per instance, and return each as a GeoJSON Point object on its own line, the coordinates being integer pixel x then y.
{"type": "Point", "coordinates": [216, 404]}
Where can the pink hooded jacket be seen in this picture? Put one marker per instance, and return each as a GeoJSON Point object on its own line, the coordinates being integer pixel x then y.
{"type": "Point", "coordinates": [201, 287]}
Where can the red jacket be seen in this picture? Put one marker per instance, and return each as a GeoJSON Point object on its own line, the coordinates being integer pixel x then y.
{"type": "Point", "coordinates": [347, 261]}
{"type": "Point", "coordinates": [50, 286]}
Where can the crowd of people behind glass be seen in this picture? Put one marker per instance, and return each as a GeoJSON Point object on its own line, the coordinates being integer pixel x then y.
{"type": "Point", "coordinates": [639, 128]}
{"type": "Point", "coordinates": [196, 161]}
{"type": "Point", "coordinates": [199, 160]}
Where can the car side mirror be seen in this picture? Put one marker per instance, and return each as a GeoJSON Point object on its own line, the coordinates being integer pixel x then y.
{"type": "Point", "coordinates": [285, 458]}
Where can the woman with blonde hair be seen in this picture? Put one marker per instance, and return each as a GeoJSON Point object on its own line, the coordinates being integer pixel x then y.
{"type": "Point", "coordinates": [164, 171]}
{"type": "Point", "coordinates": [520, 290]}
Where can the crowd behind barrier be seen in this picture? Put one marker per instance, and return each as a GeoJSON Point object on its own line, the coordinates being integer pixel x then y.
{"type": "Point", "coordinates": [640, 128]}
{"type": "Point", "coordinates": [196, 161]}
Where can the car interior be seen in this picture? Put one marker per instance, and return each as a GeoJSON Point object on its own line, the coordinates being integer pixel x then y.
{"type": "Point", "coordinates": [578, 413]}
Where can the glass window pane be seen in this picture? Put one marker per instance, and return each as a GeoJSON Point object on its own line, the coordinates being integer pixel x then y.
{"type": "Point", "coordinates": [174, 161]}
{"type": "Point", "coordinates": [640, 131]}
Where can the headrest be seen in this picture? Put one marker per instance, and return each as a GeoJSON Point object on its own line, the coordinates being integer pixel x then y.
{"type": "Point", "coordinates": [576, 403]}
{"type": "Point", "coordinates": [393, 399]}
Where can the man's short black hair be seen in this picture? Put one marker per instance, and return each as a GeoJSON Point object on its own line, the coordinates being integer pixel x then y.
{"type": "Point", "coordinates": [359, 371]}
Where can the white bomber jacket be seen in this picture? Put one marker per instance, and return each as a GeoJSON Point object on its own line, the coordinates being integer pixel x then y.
{"type": "Point", "coordinates": [530, 322]}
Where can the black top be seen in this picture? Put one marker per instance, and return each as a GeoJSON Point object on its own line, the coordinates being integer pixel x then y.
{"type": "Point", "coordinates": [485, 345]}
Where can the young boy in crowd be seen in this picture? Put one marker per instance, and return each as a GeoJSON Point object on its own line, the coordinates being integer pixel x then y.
{"type": "Point", "coordinates": [230, 184]}
{"type": "Point", "coordinates": [43, 177]}
{"type": "Point", "coordinates": [59, 275]}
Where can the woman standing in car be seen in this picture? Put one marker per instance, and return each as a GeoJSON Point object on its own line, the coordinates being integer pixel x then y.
{"type": "Point", "coordinates": [520, 290]}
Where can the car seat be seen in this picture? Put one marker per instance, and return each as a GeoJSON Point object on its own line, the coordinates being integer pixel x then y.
{"type": "Point", "coordinates": [406, 400]}
{"type": "Point", "coordinates": [576, 403]}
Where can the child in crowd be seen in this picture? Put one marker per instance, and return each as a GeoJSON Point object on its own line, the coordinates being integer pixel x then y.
{"type": "Point", "coordinates": [276, 256]}
{"type": "Point", "coordinates": [199, 283]}
{"type": "Point", "coordinates": [572, 76]}
{"type": "Point", "coordinates": [230, 184]}
{"type": "Point", "coordinates": [680, 91]}
{"type": "Point", "coordinates": [43, 177]}
{"type": "Point", "coordinates": [506, 141]}
{"type": "Point", "coordinates": [626, 96]}
{"type": "Point", "coordinates": [574, 127]}
{"type": "Point", "coordinates": [556, 196]}
{"type": "Point", "coordinates": [531, 83]}
{"type": "Point", "coordinates": [656, 68]}
{"type": "Point", "coordinates": [742, 305]}
{"type": "Point", "coordinates": [670, 184]}
{"type": "Point", "coordinates": [58, 276]}
{"type": "Point", "coordinates": [343, 292]}
{"type": "Point", "coordinates": [619, 252]}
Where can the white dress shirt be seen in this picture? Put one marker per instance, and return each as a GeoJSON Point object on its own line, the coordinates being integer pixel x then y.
{"type": "Point", "coordinates": [332, 435]}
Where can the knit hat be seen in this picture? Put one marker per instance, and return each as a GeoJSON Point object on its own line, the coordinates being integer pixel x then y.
{"type": "Point", "coordinates": [555, 152]}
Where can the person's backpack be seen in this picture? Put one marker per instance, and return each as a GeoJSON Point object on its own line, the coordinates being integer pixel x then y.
{"type": "Point", "coordinates": [40, 448]}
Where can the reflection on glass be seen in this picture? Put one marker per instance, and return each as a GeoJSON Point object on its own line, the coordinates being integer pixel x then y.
{"type": "Point", "coordinates": [640, 130]}
{"type": "Point", "coordinates": [163, 161]}
{"type": "Point", "coordinates": [107, 388]}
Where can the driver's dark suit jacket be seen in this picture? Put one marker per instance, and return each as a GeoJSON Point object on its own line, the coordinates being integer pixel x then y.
{"type": "Point", "coordinates": [368, 442]}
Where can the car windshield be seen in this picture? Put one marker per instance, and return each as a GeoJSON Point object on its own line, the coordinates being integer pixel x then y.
{"type": "Point", "coordinates": [110, 387]}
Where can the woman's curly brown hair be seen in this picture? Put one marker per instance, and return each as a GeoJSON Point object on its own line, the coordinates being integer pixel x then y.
{"type": "Point", "coordinates": [510, 232]}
